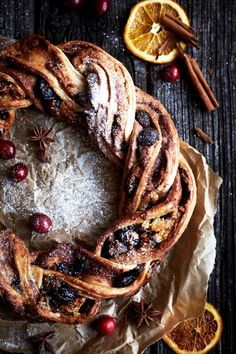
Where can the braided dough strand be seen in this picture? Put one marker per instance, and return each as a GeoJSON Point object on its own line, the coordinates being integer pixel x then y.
{"type": "Point", "coordinates": [81, 83]}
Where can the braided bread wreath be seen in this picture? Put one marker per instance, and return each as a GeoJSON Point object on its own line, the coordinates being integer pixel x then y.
{"type": "Point", "coordinates": [82, 84]}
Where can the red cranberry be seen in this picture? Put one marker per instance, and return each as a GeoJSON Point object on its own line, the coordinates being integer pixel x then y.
{"type": "Point", "coordinates": [75, 4]}
{"type": "Point", "coordinates": [7, 149]}
{"type": "Point", "coordinates": [102, 7]}
{"type": "Point", "coordinates": [40, 223]}
{"type": "Point", "coordinates": [19, 172]}
{"type": "Point", "coordinates": [171, 73]}
{"type": "Point", "coordinates": [105, 325]}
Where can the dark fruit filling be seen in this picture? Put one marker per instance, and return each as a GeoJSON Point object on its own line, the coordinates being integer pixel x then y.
{"type": "Point", "coordinates": [4, 86]}
{"type": "Point", "coordinates": [186, 192]}
{"type": "Point", "coordinates": [143, 118]}
{"type": "Point", "coordinates": [15, 283]}
{"type": "Point", "coordinates": [65, 268]}
{"type": "Point", "coordinates": [58, 292]}
{"type": "Point", "coordinates": [116, 125]}
{"type": "Point", "coordinates": [154, 241]}
{"type": "Point", "coordinates": [148, 137]}
{"type": "Point", "coordinates": [60, 296]}
{"type": "Point", "coordinates": [56, 103]}
{"type": "Point", "coordinates": [127, 278]}
{"type": "Point", "coordinates": [128, 237]}
{"type": "Point", "coordinates": [132, 185]}
{"type": "Point", "coordinates": [124, 240]}
{"type": "Point", "coordinates": [87, 306]}
{"type": "Point", "coordinates": [116, 248]}
{"type": "Point", "coordinates": [105, 249]}
{"type": "Point", "coordinates": [4, 115]}
{"type": "Point", "coordinates": [64, 295]}
{"type": "Point", "coordinates": [124, 146]}
{"type": "Point", "coordinates": [81, 264]}
{"type": "Point", "coordinates": [48, 94]}
{"type": "Point", "coordinates": [115, 128]}
{"type": "Point", "coordinates": [81, 99]}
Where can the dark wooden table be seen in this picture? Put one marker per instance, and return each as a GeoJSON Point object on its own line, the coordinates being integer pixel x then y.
{"type": "Point", "coordinates": [215, 22]}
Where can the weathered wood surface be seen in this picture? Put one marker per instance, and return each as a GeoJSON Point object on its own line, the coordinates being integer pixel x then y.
{"type": "Point", "coordinates": [215, 21]}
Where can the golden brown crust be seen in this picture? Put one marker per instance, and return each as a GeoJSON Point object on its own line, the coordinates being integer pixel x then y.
{"type": "Point", "coordinates": [15, 276]}
{"type": "Point", "coordinates": [30, 290]}
{"type": "Point", "coordinates": [11, 95]}
{"type": "Point", "coordinates": [158, 194]}
{"type": "Point", "coordinates": [96, 87]}
{"type": "Point", "coordinates": [108, 272]}
{"type": "Point", "coordinates": [112, 95]}
{"type": "Point", "coordinates": [7, 118]}
{"type": "Point", "coordinates": [39, 57]}
{"type": "Point", "coordinates": [150, 170]}
{"type": "Point", "coordinates": [164, 222]}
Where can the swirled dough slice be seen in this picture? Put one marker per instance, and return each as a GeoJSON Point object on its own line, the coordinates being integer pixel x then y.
{"type": "Point", "coordinates": [111, 92]}
{"type": "Point", "coordinates": [47, 76]}
{"type": "Point", "coordinates": [56, 284]}
{"type": "Point", "coordinates": [91, 86]}
{"type": "Point", "coordinates": [153, 156]}
{"type": "Point", "coordinates": [12, 97]}
{"type": "Point", "coordinates": [37, 293]}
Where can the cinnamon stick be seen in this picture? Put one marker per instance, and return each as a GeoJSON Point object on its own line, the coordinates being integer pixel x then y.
{"type": "Point", "coordinates": [203, 136]}
{"type": "Point", "coordinates": [174, 25]}
{"type": "Point", "coordinates": [207, 96]}
{"type": "Point", "coordinates": [187, 27]}
{"type": "Point", "coordinates": [204, 83]}
{"type": "Point", "coordinates": [165, 45]}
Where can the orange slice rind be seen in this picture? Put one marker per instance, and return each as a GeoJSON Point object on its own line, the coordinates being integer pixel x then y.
{"type": "Point", "coordinates": [196, 336]}
{"type": "Point", "coordinates": [144, 35]}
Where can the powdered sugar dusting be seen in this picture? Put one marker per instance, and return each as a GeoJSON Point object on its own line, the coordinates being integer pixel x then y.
{"type": "Point", "coordinates": [114, 40]}
{"type": "Point", "coordinates": [79, 190]}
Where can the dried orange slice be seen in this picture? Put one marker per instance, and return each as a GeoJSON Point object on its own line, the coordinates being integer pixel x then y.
{"type": "Point", "coordinates": [144, 35]}
{"type": "Point", "coordinates": [197, 336]}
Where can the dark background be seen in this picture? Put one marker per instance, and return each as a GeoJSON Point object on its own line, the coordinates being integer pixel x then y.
{"type": "Point", "coordinates": [215, 24]}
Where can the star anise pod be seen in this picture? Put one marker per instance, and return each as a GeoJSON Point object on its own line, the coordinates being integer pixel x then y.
{"type": "Point", "coordinates": [141, 313]}
{"type": "Point", "coordinates": [42, 136]}
{"type": "Point", "coordinates": [42, 343]}
{"type": "Point", "coordinates": [44, 156]}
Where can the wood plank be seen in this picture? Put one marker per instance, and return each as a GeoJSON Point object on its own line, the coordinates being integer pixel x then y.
{"type": "Point", "coordinates": [16, 18]}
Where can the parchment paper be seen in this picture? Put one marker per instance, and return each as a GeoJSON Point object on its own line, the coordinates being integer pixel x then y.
{"type": "Point", "coordinates": [80, 191]}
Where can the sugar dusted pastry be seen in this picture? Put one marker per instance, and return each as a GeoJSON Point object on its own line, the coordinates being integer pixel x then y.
{"type": "Point", "coordinates": [82, 84]}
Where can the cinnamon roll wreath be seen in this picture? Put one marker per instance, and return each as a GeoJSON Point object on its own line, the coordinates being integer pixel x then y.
{"type": "Point", "coordinates": [82, 84]}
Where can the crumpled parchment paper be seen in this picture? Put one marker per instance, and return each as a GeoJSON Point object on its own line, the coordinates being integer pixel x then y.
{"type": "Point", "coordinates": [80, 191]}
